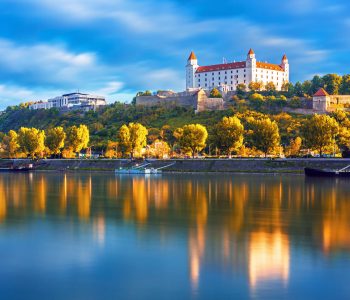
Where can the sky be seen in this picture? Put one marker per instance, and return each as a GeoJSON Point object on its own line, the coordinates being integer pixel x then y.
{"type": "Point", "coordinates": [115, 48]}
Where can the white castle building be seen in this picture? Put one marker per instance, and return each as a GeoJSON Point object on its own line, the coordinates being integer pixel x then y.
{"type": "Point", "coordinates": [72, 100]}
{"type": "Point", "coordinates": [227, 76]}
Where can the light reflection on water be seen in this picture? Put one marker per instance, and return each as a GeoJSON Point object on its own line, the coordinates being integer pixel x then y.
{"type": "Point", "coordinates": [174, 236]}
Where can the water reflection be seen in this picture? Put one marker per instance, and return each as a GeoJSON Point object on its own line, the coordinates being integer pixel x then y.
{"type": "Point", "coordinates": [244, 224]}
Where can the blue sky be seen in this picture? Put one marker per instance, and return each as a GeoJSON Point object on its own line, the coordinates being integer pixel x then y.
{"type": "Point", "coordinates": [116, 48]}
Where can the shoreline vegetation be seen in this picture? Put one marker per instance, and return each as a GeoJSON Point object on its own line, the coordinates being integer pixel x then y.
{"type": "Point", "coordinates": [253, 125]}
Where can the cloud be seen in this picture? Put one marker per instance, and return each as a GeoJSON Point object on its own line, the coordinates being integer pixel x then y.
{"type": "Point", "coordinates": [44, 62]}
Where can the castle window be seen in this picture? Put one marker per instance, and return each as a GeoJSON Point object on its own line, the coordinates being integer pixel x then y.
{"type": "Point", "coordinates": [219, 76]}
{"type": "Point", "coordinates": [225, 77]}
{"type": "Point", "coordinates": [244, 81]}
{"type": "Point", "coordinates": [225, 72]}
{"type": "Point", "coordinates": [212, 79]}
{"type": "Point", "coordinates": [244, 75]}
{"type": "Point", "coordinates": [206, 74]}
{"type": "Point", "coordinates": [205, 79]}
{"type": "Point", "coordinates": [237, 71]}
{"type": "Point", "coordinates": [205, 85]}
{"type": "Point", "coordinates": [244, 70]}
{"type": "Point", "coordinates": [225, 82]}
{"type": "Point", "coordinates": [231, 71]}
{"type": "Point", "coordinates": [212, 74]}
{"type": "Point", "coordinates": [219, 73]}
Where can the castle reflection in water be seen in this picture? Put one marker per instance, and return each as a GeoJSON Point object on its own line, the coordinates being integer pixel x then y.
{"type": "Point", "coordinates": [235, 223]}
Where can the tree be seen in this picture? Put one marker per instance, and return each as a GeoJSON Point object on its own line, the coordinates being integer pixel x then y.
{"type": "Point", "coordinates": [294, 147]}
{"type": "Point", "coordinates": [332, 83]}
{"type": "Point", "coordinates": [307, 88]}
{"type": "Point", "coordinates": [124, 140]}
{"type": "Point", "coordinates": [270, 88]}
{"type": "Point", "coordinates": [256, 100]}
{"type": "Point", "coordinates": [31, 141]}
{"type": "Point", "coordinates": [344, 88]}
{"type": "Point", "coordinates": [78, 138]}
{"type": "Point", "coordinates": [241, 89]}
{"type": "Point", "coordinates": [317, 83]}
{"type": "Point", "coordinates": [132, 138]}
{"type": "Point", "coordinates": [298, 90]}
{"type": "Point", "coordinates": [191, 137]}
{"type": "Point", "coordinates": [255, 86]}
{"type": "Point", "coordinates": [167, 135]}
{"type": "Point", "coordinates": [265, 135]}
{"type": "Point", "coordinates": [153, 135]}
{"type": "Point", "coordinates": [159, 149]}
{"type": "Point", "coordinates": [319, 132]}
{"type": "Point", "coordinates": [55, 139]}
{"type": "Point", "coordinates": [229, 134]}
{"type": "Point", "coordinates": [10, 143]}
{"type": "Point", "coordinates": [215, 93]}
{"type": "Point", "coordinates": [112, 149]}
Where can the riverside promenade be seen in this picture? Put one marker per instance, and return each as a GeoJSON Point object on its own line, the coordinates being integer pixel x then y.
{"type": "Point", "coordinates": [242, 165]}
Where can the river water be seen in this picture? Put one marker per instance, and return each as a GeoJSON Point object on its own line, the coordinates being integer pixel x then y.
{"type": "Point", "coordinates": [193, 236]}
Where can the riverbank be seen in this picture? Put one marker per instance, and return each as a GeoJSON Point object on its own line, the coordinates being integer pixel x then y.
{"type": "Point", "coordinates": [244, 165]}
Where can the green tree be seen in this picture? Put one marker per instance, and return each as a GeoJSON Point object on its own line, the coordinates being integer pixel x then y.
{"type": "Point", "coordinates": [255, 86]}
{"type": "Point", "coordinates": [10, 143]}
{"type": "Point", "coordinates": [31, 141]}
{"type": "Point", "coordinates": [298, 90]}
{"type": "Point", "coordinates": [241, 89]}
{"type": "Point", "coordinates": [55, 139]}
{"type": "Point", "coordinates": [215, 93]}
{"type": "Point", "coordinates": [265, 135]}
{"type": "Point", "coordinates": [191, 137]}
{"type": "Point", "coordinates": [256, 100]}
{"type": "Point", "coordinates": [332, 83]}
{"type": "Point", "coordinates": [344, 88]}
{"type": "Point", "coordinates": [317, 83]}
{"type": "Point", "coordinates": [167, 135]}
{"type": "Point", "coordinates": [319, 132]}
{"type": "Point", "coordinates": [132, 138]}
{"type": "Point", "coordinates": [307, 88]}
{"type": "Point", "coordinates": [229, 134]}
{"type": "Point", "coordinates": [270, 88]}
{"type": "Point", "coordinates": [78, 138]}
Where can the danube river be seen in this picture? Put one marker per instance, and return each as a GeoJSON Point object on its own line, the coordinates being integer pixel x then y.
{"type": "Point", "coordinates": [101, 236]}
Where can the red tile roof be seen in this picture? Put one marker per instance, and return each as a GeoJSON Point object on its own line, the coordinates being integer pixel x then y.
{"type": "Point", "coordinates": [251, 51]}
{"type": "Point", "coordinates": [228, 66]}
{"type": "Point", "coordinates": [321, 93]}
{"type": "Point", "coordinates": [192, 56]}
{"type": "Point", "coordinates": [263, 65]}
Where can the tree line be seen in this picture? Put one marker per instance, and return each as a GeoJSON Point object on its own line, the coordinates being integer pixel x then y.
{"type": "Point", "coordinates": [254, 136]}
{"type": "Point", "coordinates": [243, 134]}
{"type": "Point", "coordinates": [36, 143]}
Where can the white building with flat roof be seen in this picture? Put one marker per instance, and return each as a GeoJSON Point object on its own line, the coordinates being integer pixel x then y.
{"type": "Point", "coordinates": [227, 76]}
{"type": "Point", "coordinates": [70, 101]}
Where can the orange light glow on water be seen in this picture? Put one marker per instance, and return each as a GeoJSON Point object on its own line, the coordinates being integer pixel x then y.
{"type": "Point", "coordinates": [269, 258]}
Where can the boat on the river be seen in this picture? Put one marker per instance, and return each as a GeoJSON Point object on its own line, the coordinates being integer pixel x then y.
{"type": "Point", "coordinates": [344, 172]}
{"type": "Point", "coordinates": [18, 169]}
{"type": "Point", "coordinates": [141, 169]}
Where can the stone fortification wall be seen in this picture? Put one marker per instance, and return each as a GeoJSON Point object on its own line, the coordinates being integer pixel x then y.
{"type": "Point", "coordinates": [187, 100]}
{"type": "Point", "coordinates": [248, 165]}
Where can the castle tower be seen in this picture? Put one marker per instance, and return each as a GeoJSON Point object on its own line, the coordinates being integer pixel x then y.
{"type": "Point", "coordinates": [251, 66]}
{"type": "Point", "coordinates": [191, 67]}
{"type": "Point", "coordinates": [285, 66]}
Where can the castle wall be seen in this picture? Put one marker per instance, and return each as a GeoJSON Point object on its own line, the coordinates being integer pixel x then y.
{"type": "Point", "coordinates": [328, 103]}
